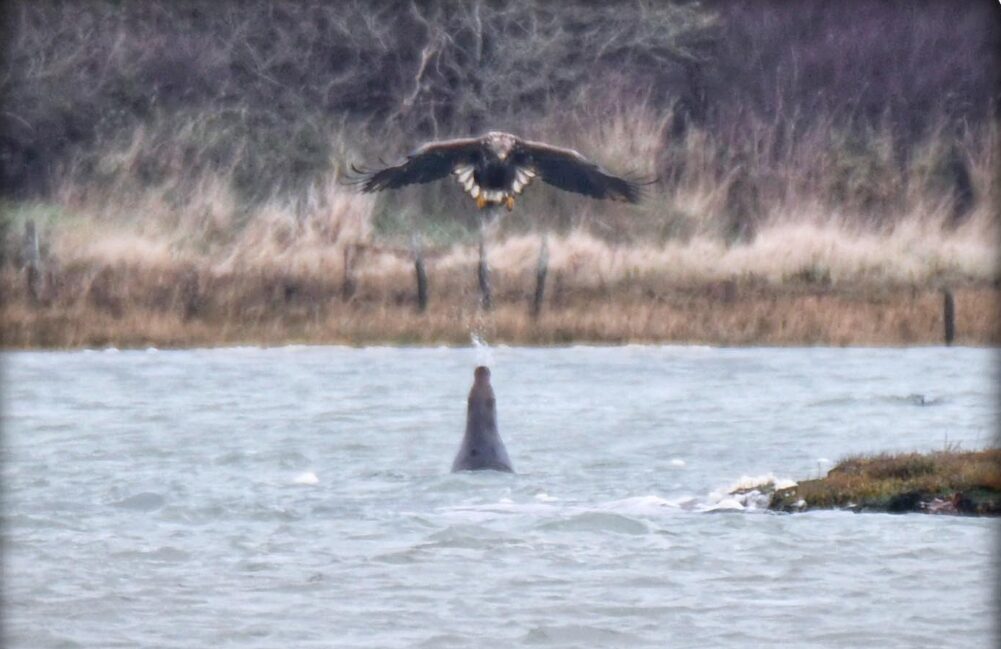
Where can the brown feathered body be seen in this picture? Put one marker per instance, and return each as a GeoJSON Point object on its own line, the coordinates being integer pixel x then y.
{"type": "Point", "coordinates": [496, 168]}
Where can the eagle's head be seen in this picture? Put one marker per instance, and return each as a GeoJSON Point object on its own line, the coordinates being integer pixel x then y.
{"type": "Point", "coordinates": [500, 143]}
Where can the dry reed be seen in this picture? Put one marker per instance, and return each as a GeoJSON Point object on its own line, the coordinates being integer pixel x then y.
{"type": "Point", "coordinates": [807, 249]}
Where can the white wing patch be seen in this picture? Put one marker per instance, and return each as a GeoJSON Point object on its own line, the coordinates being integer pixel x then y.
{"type": "Point", "coordinates": [522, 178]}
{"type": "Point", "coordinates": [464, 176]}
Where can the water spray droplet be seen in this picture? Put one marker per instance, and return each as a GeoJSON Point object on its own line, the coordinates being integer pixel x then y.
{"type": "Point", "coordinates": [484, 354]}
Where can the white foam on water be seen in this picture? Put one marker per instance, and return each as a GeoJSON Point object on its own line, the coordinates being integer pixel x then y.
{"type": "Point", "coordinates": [307, 478]}
{"type": "Point", "coordinates": [481, 513]}
{"type": "Point", "coordinates": [749, 493]}
{"type": "Point", "coordinates": [645, 506]}
{"type": "Point", "coordinates": [641, 505]}
{"type": "Point", "coordinates": [677, 461]}
{"type": "Point", "coordinates": [747, 483]}
{"type": "Point", "coordinates": [726, 505]}
{"type": "Point", "coordinates": [548, 506]}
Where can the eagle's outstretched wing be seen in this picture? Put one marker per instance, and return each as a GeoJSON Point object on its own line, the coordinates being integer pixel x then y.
{"type": "Point", "coordinates": [432, 161]}
{"type": "Point", "coordinates": [572, 172]}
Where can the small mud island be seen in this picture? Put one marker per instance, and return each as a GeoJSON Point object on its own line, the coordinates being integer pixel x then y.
{"type": "Point", "coordinates": [943, 482]}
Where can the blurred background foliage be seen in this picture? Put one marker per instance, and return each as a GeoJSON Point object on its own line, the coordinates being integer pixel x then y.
{"type": "Point", "coordinates": [857, 104]}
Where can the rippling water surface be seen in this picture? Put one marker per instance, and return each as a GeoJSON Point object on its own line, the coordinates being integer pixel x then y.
{"type": "Point", "coordinates": [300, 497]}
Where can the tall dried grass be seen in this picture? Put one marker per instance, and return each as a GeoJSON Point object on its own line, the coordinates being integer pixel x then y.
{"type": "Point", "coordinates": [846, 240]}
{"type": "Point", "coordinates": [822, 205]}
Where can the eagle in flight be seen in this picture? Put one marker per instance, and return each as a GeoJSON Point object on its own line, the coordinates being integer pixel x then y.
{"type": "Point", "coordinates": [497, 167]}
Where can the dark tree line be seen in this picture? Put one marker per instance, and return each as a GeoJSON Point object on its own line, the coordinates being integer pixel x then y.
{"type": "Point", "coordinates": [258, 87]}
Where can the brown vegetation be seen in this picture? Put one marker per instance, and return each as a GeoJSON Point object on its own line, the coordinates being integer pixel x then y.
{"type": "Point", "coordinates": [942, 482]}
{"type": "Point", "coordinates": [183, 167]}
{"type": "Point", "coordinates": [138, 301]}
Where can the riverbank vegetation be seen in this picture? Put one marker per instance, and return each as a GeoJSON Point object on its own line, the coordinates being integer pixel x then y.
{"type": "Point", "coordinates": [174, 173]}
{"type": "Point", "coordinates": [944, 482]}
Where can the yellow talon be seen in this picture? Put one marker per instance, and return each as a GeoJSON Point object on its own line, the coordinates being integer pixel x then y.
{"type": "Point", "coordinates": [509, 201]}
{"type": "Point", "coordinates": [481, 202]}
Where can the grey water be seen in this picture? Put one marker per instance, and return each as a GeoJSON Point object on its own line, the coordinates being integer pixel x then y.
{"type": "Point", "coordinates": [301, 497]}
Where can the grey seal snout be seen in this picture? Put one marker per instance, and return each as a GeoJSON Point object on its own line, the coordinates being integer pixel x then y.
{"type": "Point", "coordinates": [482, 447]}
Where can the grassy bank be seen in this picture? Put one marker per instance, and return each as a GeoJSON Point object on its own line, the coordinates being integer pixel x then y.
{"type": "Point", "coordinates": [823, 239]}
{"type": "Point", "coordinates": [953, 482]}
{"type": "Point", "coordinates": [184, 169]}
{"type": "Point", "coordinates": [330, 279]}
{"type": "Point", "coordinates": [120, 306]}
{"type": "Point", "coordinates": [761, 317]}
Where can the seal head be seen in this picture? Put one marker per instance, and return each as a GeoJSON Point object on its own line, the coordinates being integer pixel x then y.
{"type": "Point", "coordinates": [482, 447]}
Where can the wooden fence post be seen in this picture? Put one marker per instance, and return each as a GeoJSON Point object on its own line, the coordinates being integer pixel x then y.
{"type": "Point", "coordinates": [541, 269]}
{"type": "Point", "coordinates": [421, 273]}
{"type": "Point", "coordinates": [32, 261]}
{"type": "Point", "coordinates": [4, 252]}
{"type": "Point", "coordinates": [190, 294]}
{"type": "Point", "coordinates": [348, 280]}
{"type": "Point", "coordinates": [949, 316]}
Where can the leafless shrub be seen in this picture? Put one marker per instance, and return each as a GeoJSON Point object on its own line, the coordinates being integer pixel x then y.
{"type": "Point", "coordinates": [872, 110]}
{"type": "Point", "coordinates": [260, 85]}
